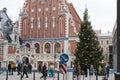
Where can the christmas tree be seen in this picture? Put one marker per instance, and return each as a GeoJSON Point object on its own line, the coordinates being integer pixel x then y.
{"type": "Point", "coordinates": [88, 51]}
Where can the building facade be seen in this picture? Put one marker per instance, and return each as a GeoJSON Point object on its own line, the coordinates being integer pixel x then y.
{"type": "Point", "coordinates": [48, 28]}
{"type": "Point", "coordinates": [105, 41]}
{"type": "Point", "coordinates": [115, 47]}
{"type": "Point", "coordinates": [116, 42]}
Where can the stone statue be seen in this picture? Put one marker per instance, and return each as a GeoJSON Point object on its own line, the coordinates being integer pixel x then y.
{"type": "Point", "coordinates": [6, 25]}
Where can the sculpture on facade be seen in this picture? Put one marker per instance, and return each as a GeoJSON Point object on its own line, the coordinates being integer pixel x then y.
{"type": "Point", "coordinates": [6, 25]}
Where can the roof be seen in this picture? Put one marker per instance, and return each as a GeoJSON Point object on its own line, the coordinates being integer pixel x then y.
{"type": "Point", "coordinates": [73, 12]}
{"type": "Point", "coordinates": [97, 32]}
{"type": "Point", "coordinates": [105, 36]}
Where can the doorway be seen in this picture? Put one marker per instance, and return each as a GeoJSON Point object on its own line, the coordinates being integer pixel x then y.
{"type": "Point", "coordinates": [40, 63]}
{"type": "Point", "coordinates": [25, 60]}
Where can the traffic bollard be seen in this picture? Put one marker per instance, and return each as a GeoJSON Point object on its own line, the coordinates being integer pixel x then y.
{"type": "Point", "coordinates": [34, 75]}
{"type": "Point", "coordinates": [58, 75]}
{"type": "Point", "coordinates": [6, 74]}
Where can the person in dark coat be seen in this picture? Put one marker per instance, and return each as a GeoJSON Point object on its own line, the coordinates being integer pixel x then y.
{"type": "Point", "coordinates": [107, 71]}
{"type": "Point", "coordinates": [44, 72]}
{"type": "Point", "coordinates": [85, 70]}
{"type": "Point", "coordinates": [29, 68]}
{"type": "Point", "coordinates": [25, 70]}
{"type": "Point", "coordinates": [9, 68]}
{"type": "Point", "coordinates": [39, 68]}
{"type": "Point", "coordinates": [19, 67]}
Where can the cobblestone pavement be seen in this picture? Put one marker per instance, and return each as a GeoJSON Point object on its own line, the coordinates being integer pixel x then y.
{"type": "Point", "coordinates": [37, 77]}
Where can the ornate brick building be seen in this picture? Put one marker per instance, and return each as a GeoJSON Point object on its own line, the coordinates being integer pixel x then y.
{"type": "Point", "coordinates": [47, 29]}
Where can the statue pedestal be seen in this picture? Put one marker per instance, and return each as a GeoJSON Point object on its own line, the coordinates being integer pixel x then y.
{"type": "Point", "coordinates": [5, 44]}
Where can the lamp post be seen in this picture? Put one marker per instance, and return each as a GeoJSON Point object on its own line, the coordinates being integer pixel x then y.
{"type": "Point", "coordinates": [55, 58]}
{"type": "Point", "coordinates": [34, 71]}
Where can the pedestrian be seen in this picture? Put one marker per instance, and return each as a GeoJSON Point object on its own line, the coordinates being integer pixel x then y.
{"type": "Point", "coordinates": [85, 70]}
{"type": "Point", "coordinates": [51, 70]}
{"type": "Point", "coordinates": [9, 68]}
{"type": "Point", "coordinates": [19, 67]}
{"type": "Point", "coordinates": [29, 68]}
{"type": "Point", "coordinates": [25, 70]}
{"type": "Point", "coordinates": [75, 71]}
{"type": "Point", "coordinates": [107, 71]}
{"type": "Point", "coordinates": [44, 72]}
{"type": "Point", "coordinates": [12, 67]}
{"type": "Point", "coordinates": [39, 67]}
{"type": "Point", "coordinates": [92, 70]}
{"type": "Point", "coordinates": [3, 69]}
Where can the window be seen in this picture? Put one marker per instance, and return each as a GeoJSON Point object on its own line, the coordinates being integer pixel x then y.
{"type": "Point", "coordinates": [53, 19]}
{"type": "Point", "coordinates": [110, 48]}
{"type": "Point", "coordinates": [107, 42]}
{"type": "Point", "coordinates": [38, 22]}
{"type": "Point", "coordinates": [61, 28]}
{"type": "Point", "coordinates": [28, 46]}
{"type": "Point", "coordinates": [32, 22]}
{"type": "Point", "coordinates": [37, 48]}
{"type": "Point", "coordinates": [47, 48]}
{"type": "Point", "coordinates": [46, 21]}
{"type": "Point", "coordinates": [25, 59]}
{"type": "Point", "coordinates": [101, 41]}
{"type": "Point", "coordinates": [57, 48]}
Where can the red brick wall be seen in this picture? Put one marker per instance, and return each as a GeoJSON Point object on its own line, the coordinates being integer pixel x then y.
{"type": "Point", "coordinates": [11, 50]}
{"type": "Point", "coordinates": [46, 9]}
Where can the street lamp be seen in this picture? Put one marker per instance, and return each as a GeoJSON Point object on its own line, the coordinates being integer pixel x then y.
{"type": "Point", "coordinates": [55, 58]}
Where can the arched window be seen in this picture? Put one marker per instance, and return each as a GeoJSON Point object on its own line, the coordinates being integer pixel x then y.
{"type": "Point", "coordinates": [46, 21]}
{"type": "Point", "coordinates": [47, 48]}
{"type": "Point", "coordinates": [53, 21]}
{"type": "Point", "coordinates": [57, 48]}
{"type": "Point", "coordinates": [37, 48]}
{"type": "Point", "coordinates": [61, 26]}
{"type": "Point", "coordinates": [28, 46]}
{"type": "Point", "coordinates": [38, 22]}
{"type": "Point", "coordinates": [32, 22]}
{"type": "Point", "coordinates": [25, 59]}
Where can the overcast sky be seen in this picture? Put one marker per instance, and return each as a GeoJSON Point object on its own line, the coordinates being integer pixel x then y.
{"type": "Point", "coordinates": [102, 12]}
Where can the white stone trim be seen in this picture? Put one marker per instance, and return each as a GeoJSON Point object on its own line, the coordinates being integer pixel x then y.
{"type": "Point", "coordinates": [32, 22]}
{"type": "Point", "coordinates": [38, 22]}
